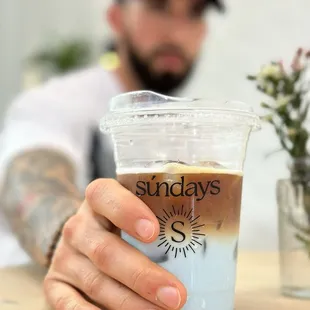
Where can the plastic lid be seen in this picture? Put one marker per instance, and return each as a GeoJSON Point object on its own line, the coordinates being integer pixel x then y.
{"type": "Point", "coordinates": [143, 107]}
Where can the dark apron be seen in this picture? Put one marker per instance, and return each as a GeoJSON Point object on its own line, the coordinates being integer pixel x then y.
{"type": "Point", "coordinates": [102, 164]}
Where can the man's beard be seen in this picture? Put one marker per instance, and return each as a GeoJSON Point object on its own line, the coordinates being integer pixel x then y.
{"type": "Point", "coordinates": [165, 83]}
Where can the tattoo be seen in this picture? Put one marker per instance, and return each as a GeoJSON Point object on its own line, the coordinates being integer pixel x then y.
{"type": "Point", "coordinates": [38, 196]}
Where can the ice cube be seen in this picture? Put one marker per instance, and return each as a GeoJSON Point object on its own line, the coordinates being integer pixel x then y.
{"type": "Point", "coordinates": [211, 164]}
{"type": "Point", "coordinates": [162, 163]}
{"type": "Point", "coordinates": [175, 167]}
{"type": "Point", "coordinates": [202, 166]}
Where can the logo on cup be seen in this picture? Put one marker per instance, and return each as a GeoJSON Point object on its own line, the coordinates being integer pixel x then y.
{"type": "Point", "coordinates": [180, 231]}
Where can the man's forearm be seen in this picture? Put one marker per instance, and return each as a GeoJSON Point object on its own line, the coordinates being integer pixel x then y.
{"type": "Point", "coordinates": [38, 196]}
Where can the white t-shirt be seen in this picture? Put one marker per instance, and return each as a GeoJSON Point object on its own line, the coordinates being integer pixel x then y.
{"type": "Point", "coordinates": [66, 111]}
{"type": "Point", "coordinates": [63, 113]}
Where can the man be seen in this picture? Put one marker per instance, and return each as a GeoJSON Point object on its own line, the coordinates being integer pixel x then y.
{"type": "Point", "coordinates": [45, 156]}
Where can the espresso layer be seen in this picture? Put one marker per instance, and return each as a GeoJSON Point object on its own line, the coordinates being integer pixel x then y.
{"type": "Point", "coordinates": [190, 202]}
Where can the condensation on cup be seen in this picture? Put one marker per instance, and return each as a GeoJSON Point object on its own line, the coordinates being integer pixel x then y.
{"type": "Point", "coordinates": [184, 158]}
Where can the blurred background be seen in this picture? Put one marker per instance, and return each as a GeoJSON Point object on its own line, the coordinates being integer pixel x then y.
{"type": "Point", "coordinates": [250, 33]}
{"type": "Point", "coordinates": [72, 33]}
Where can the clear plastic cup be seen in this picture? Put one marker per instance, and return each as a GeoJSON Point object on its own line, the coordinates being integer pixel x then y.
{"type": "Point", "coordinates": [184, 158]}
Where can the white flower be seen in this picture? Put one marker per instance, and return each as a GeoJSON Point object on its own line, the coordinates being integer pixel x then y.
{"type": "Point", "coordinates": [270, 89]}
{"type": "Point", "coordinates": [271, 71]}
{"type": "Point", "coordinates": [291, 132]}
{"type": "Point", "coordinates": [266, 86]}
{"type": "Point", "coordinates": [267, 118]}
{"type": "Point", "coordinates": [261, 82]}
{"type": "Point", "coordinates": [283, 101]}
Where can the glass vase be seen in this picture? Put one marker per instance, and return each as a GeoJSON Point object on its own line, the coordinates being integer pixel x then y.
{"type": "Point", "coordinates": [293, 197]}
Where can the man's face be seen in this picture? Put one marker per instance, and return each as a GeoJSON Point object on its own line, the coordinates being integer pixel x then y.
{"type": "Point", "coordinates": [162, 40]}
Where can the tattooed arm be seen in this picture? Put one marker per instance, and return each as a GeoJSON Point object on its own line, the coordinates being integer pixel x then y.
{"type": "Point", "coordinates": [38, 196]}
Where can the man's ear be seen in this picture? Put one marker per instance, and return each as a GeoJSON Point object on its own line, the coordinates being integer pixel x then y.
{"type": "Point", "coordinates": [114, 17]}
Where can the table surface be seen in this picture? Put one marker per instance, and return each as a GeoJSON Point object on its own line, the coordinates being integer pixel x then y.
{"type": "Point", "coordinates": [257, 286]}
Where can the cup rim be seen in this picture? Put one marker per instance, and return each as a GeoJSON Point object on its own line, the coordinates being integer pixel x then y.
{"type": "Point", "coordinates": [140, 107]}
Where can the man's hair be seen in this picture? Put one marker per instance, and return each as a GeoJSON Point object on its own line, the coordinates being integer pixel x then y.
{"type": "Point", "coordinates": [216, 3]}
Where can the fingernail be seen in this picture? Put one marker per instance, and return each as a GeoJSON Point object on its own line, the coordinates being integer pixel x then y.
{"type": "Point", "coordinates": [170, 297]}
{"type": "Point", "coordinates": [145, 229]}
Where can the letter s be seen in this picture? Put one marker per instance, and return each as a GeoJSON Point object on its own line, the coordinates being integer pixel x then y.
{"type": "Point", "coordinates": [178, 231]}
{"type": "Point", "coordinates": [140, 185]}
{"type": "Point", "coordinates": [215, 187]}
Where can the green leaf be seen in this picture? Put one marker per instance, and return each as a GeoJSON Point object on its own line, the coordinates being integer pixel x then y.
{"type": "Point", "coordinates": [304, 240]}
{"type": "Point", "coordinates": [251, 77]}
{"type": "Point", "coordinates": [273, 152]}
{"type": "Point", "coordinates": [300, 143]}
{"type": "Point", "coordinates": [296, 75]}
{"type": "Point", "coordinates": [304, 113]}
{"type": "Point", "coordinates": [281, 136]}
{"type": "Point", "coordinates": [261, 89]}
{"type": "Point", "coordinates": [268, 118]}
{"type": "Point", "coordinates": [266, 106]}
{"type": "Point", "coordinates": [65, 56]}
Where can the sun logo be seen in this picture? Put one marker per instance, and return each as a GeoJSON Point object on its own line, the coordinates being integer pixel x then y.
{"type": "Point", "coordinates": [180, 231]}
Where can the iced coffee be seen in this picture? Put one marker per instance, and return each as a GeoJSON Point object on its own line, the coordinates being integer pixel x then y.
{"type": "Point", "coordinates": [184, 159]}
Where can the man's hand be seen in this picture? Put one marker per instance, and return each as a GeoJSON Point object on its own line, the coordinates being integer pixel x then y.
{"type": "Point", "coordinates": [93, 268]}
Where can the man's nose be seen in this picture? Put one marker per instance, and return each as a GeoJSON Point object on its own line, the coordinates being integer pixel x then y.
{"type": "Point", "coordinates": [177, 29]}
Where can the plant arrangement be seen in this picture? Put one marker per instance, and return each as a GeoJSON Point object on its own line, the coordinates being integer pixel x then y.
{"type": "Point", "coordinates": [287, 93]}
{"type": "Point", "coordinates": [65, 56]}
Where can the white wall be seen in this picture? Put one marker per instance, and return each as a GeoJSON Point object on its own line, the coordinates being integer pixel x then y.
{"type": "Point", "coordinates": [10, 50]}
{"type": "Point", "coordinates": [43, 21]}
{"type": "Point", "coordinates": [101, 27]}
{"type": "Point", "coordinates": [26, 26]}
